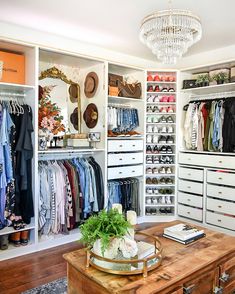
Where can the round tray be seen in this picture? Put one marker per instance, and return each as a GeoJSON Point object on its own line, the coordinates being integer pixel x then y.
{"type": "Point", "coordinates": [138, 266]}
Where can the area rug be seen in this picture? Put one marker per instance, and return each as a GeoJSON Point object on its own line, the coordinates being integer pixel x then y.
{"type": "Point", "coordinates": [56, 287]}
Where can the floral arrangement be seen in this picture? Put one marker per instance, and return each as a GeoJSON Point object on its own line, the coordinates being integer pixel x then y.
{"type": "Point", "coordinates": [49, 117]}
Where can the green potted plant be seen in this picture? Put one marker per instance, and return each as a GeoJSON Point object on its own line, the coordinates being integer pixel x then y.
{"type": "Point", "coordinates": [221, 77]}
{"type": "Point", "coordinates": [108, 235]}
{"type": "Point", "coordinates": [203, 80]}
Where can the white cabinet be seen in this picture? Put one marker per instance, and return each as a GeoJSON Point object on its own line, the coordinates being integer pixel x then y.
{"type": "Point", "coordinates": [125, 171]}
{"type": "Point", "coordinates": [116, 159]}
{"type": "Point", "coordinates": [191, 174]}
{"type": "Point", "coordinates": [190, 186]}
{"type": "Point", "coordinates": [125, 145]}
{"type": "Point", "coordinates": [190, 199]}
{"type": "Point", "coordinates": [221, 178]}
{"type": "Point", "coordinates": [190, 212]}
{"type": "Point", "coordinates": [220, 220]}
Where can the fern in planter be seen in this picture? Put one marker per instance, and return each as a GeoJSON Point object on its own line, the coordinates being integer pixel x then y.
{"type": "Point", "coordinates": [104, 226]}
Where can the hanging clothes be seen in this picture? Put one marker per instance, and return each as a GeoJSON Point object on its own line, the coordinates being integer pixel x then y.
{"type": "Point", "coordinates": [126, 192]}
{"type": "Point", "coordinates": [70, 191]}
{"type": "Point", "coordinates": [229, 125]}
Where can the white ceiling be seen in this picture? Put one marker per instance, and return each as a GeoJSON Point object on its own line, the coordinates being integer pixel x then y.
{"type": "Point", "coordinates": [115, 24]}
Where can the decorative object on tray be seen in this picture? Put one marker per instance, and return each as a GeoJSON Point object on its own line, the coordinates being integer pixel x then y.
{"type": "Point", "coordinates": [112, 247]}
{"type": "Point", "coordinates": [183, 233]}
{"type": "Point", "coordinates": [90, 115]}
{"type": "Point", "coordinates": [49, 117]}
{"type": "Point", "coordinates": [91, 84]}
{"type": "Point", "coordinates": [189, 84]}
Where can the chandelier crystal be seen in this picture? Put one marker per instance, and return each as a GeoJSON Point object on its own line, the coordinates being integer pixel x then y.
{"type": "Point", "coordinates": [170, 33]}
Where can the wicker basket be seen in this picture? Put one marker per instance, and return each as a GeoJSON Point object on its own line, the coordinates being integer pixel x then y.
{"type": "Point", "coordinates": [113, 91]}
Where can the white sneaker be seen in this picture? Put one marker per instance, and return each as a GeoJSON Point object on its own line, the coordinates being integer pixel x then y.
{"type": "Point", "coordinates": [155, 119]}
{"type": "Point", "coordinates": [149, 139]}
{"type": "Point", "coordinates": [170, 130]}
{"type": "Point", "coordinates": [155, 191]}
{"type": "Point", "coordinates": [150, 98]}
{"type": "Point", "coordinates": [163, 130]}
{"type": "Point", "coordinates": [168, 199]}
{"type": "Point", "coordinates": [162, 200]}
{"type": "Point", "coordinates": [156, 99]}
{"type": "Point", "coordinates": [169, 171]}
{"type": "Point", "coordinates": [155, 139]}
{"type": "Point", "coordinates": [149, 129]}
{"type": "Point", "coordinates": [149, 119]}
{"type": "Point", "coordinates": [149, 191]}
{"type": "Point", "coordinates": [162, 170]}
{"type": "Point", "coordinates": [155, 129]}
{"type": "Point", "coordinates": [154, 200]}
{"type": "Point", "coordinates": [148, 200]}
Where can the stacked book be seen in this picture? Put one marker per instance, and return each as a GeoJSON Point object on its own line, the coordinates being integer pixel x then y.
{"type": "Point", "coordinates": [183, 233]}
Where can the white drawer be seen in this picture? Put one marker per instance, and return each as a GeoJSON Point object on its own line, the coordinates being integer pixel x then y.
{"type": "Point", "coordinates": [221, 178]}
{"type": "Point", "coordinates": [191, 187]}
{"type": "Point", "coordinates": [220, 206]}
{"type": "Point", "coordinates": [207, 160]}
{"type": "Point", "coordinates": [221, 192]}
{"type": "Point", "coordinates": [219, 220]}
{"type": "Point", "coordinates": [190, 212]}
{"type": "Point", "coordinates": [125, 171]}
{"type": "Point", "coordinates": [125, 158]}
{"type": "Point", "coordinates": [191, 174]}
{"type": "Point", "coordinates": [125, 145]}
{"type": "Point", "coordinates": [193, 200]}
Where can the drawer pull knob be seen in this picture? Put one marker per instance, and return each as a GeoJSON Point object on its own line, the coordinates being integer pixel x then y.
{"type": "Point", "coordinates": [189, 199]}
{"type": "Point", "coordinates": [189, 174]}
{"type": "Point", "coordinates": [133, 158]}
{"type": "Point", "coordinates": [120, 145]}
{"type": "Point", "coordinates": [133, 145]}
{"type": "Point", "coordinates": [189, 187]}
{"type": "Point", "coordinates": [120, 172]}
{"type": "Point", "coordinates": [120, 158]}
{"type": "Point", "coordinates": [224, 277]}
{"type": "Point", "coordinates": [133, 171]}
{"type": "Point", "coordinates": [219, 192]}
{"type": "Point", "coordinates": [219, 220]}
{"type": "Point", "coordinates": [189, 158]}
{"type": "Point", "coordinates": [188, 212]}
{"type": "Point", "coordinates": [220, 178]}
{"type": "Point", "coordinates": [220, 161]}
{"type": "Point", "coordinates": [219, 206]}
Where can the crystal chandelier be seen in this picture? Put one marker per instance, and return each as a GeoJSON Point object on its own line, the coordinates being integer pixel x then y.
{"type": "Point", "coordinates": [169, 33]}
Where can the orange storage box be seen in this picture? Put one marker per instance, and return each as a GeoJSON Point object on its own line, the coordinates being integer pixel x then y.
{"type": "Point", "coordinates": [13, 68]}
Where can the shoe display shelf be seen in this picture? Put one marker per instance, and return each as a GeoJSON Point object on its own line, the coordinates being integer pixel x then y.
{"type": "Point", "coordinates": [160, 143]}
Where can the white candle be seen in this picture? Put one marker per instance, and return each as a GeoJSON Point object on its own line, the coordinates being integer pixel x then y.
{"type": "Point", "coordinates": [131, 217]}
{"type": "Point", "coordinates": [118, 207]}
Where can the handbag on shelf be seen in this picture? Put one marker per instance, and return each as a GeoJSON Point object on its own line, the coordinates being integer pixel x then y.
{"type": "Point", "coordinates": [129, 90]}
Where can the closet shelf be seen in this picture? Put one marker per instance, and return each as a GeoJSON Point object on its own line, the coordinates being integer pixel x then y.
{"type": "Point", "coordinates": [13, 251]}
{"type": "Point", "coordinates": [159, 205]}
{"type": "Point", "coordinates": [160, 82]}
{"type": "Point", "coordinates": [159, 195]}
{"type": "Point", "coordinates": [58, 151]}
{"type": "Point", "coordinates": [227, 87]}
{"type": "Point", "coordinates": [15, 87]}
{"type": "Point", "coordinates": [117, 99]}
{"type": "Point", "coordinates": [126, 138]}
{"type": "Point", "coordinates": [208, 152]}
{"type": "Point", "coordinates": [10, 230]}
{"type": "Point", "coordinates": [161, 164]}
{"type": "Point", "coordinates": [162, 93]}
{"type": "Point", "coordinates": [160, 113]}
{"type": "Point", "coordinates": [161, 103]}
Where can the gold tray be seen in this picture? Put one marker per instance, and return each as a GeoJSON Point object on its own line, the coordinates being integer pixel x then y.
{"type": "Point", "coordinates": [149, 263]}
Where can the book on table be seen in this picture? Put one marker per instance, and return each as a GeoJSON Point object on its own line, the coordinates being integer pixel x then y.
{"type": "Point", "coordinates": [183, 232]}
{"type": "Point", "coordinates": [185, 242]}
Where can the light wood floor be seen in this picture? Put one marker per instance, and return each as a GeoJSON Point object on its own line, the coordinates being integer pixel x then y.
{"type": "Point", "coordinates": [32, 270]}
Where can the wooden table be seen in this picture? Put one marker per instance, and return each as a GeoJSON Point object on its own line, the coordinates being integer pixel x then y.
{"type": "Point", "coordinates": [203, 267]}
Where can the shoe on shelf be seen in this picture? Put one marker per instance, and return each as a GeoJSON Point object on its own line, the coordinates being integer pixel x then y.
{"type": "Point", "coordinates": [148, 149]}
{"type": "Point", "coordinates": [156, 160]}
{"type": "Point", "coordinates": [163, 149]}
{"type": "Point", "coordinates": [162, 181]}
{"type": "Point", "coordinates": [162, 170]}
{"type": "Point", "coordinates": [111, 134]}
{"type": "Point", "coordinates": [150, 88]}
{"type": "Point", "coordinates": [162, 210]}
{"type": "Point", "coordinates": [155, 109]}
{"type": "Point", "coordinates": [148, 211]}
{"type": "Point", "coordinates": [164, 90]}
{"type": "Point", "coordinates": [149, 129]}
{"type": "Point", "coordinates": [171, 99]}
{"type": "Point", "coordinates": [149, 119]}
{"type": "Point", "coordinates": [155, 191]}
{"type": "Point", "coordinates": [162, 140]}
{"type": "Point", "coordinates": [148, 200]}
{"type": "Point", "coordinates": [155, 129]}
{"type": "Point", "coordinates": [157, 78]}
{"type": "Point", "coordinates": [155, 139]}
{"type": "Point", "coordinates": [155, 170]}
{"type": "Point", "coordinates": [164, 99]}
{"type": "Point", "coordinates": [169, 140]}
{"type": "Point", "coordinates": [169, 120]}
{"type": "Point", "coordinates": [150, 78]}
{"type": "Point", "coordinates": [169, 150]}
{"type": "Point", "coordinates": [149, 181]}
{"type": "Point", "coordinates": [169, 181]}
{"type": "Point", "coordinates": [150, 98]}
{"type": "Point", "coordinates": [155, 149]}
{"type": "Point", "coordinates": [163, 110]}
{"type": "Point", "coordinates": [15, 238]}
{"type": "Point", "coordinates": [168, 170]}
{"type": "Point", "coordinates": [149, 159]}
{"type": "Point", "coordinates": [155, 200]}
{"type": "Point", "coordinates": [168, 210]}
{"type": "Point", "coordinates": [170, 130]}
{"type": "Point", "coordinates": [155, 119]}
{"type": "Point", "coordinates": [149, 190]}
{"type": "Point", "coordinates": [169, 191]}
{"type": "Point", "coordinates": [156, 89]}
{"type": "Point", "coordinates": [163, 159]}
{"type": "Point", "coordinates": [156, 98]}
{"type": "Point", "coordinates": [24, 237]}
{"type": "Point", "coordinates": [163, 130]}
{"type": "Point", "coordinates": [171, 90]}
{"type": "Point", "coordinates": [168, 200]}
{"type": "Point", "coordinates": [149, 139]}
{"type": "Point", "coordinates": [162, 200]}
{"type": "Point", "coordinates": [170, 109]}
{"type": "Point", "coordinates": [153, 211]}
{"type": "Point", "coordinates": [149, 109]}
{"type": "Point", "coordinates": [162, 119]}
{"type": "Point", "coordinates": [155, 181]}
{"type": "Point", "coordinates": [4, 242]}
{"type": "Point", "coordinates": [149, 170]}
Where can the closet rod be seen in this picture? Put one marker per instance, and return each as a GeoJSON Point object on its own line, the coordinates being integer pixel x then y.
{"type": "Point", "coordinates": [120, 105]}
{"type": "Point", "coordinates": [12, 94]}
{"type": "Point", "coordinates": [63, 155]}
{"type": "Point", "coordinates": [212, 96]}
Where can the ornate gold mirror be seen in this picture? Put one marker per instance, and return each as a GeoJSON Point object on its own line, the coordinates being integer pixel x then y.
{"type": "Point", "coordinates": [65, 94]}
